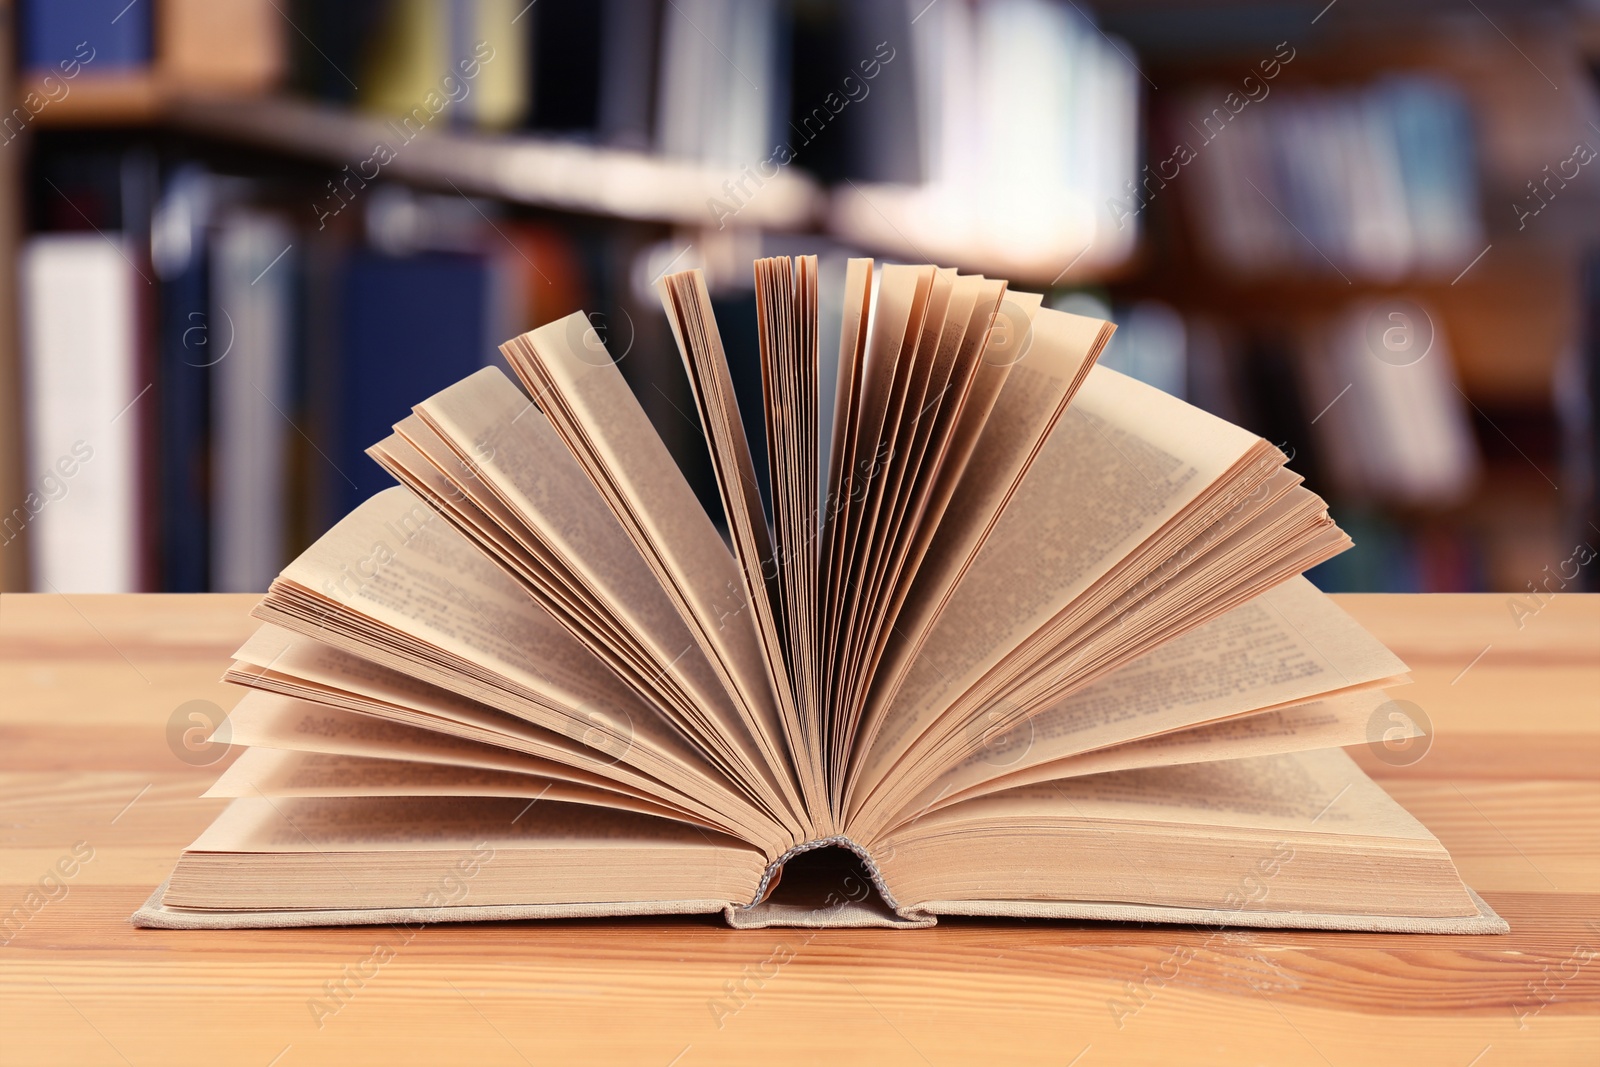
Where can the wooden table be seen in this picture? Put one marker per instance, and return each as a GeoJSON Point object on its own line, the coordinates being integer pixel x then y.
{"type": "Point", "coordinates": [89, 684]}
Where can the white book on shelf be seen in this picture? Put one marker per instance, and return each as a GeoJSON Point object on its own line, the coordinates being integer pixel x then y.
{"type": "Point", "coordinates": [80, 364]}
{"type": "Point", "coordinates": [717, 81]}
{"type": "Point", "coordinates": [1382, 244]}
{"type": "Point", "coordinates": [944, 44]}
{"type": "Point", "coordinates": [1027, 120]}
{"type": "Point", "coordinates": [1414, 421]}
{"type": "Point", "coordinates": [1112, 120]}
{"type": "Point", "coordinates": [1396, 427]}
{"type": "Point", "coordinates": [252, 318]}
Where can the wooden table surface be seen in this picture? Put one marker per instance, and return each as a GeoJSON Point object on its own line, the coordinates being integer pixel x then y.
{"type": "Point", "coordinates": [90, 687]}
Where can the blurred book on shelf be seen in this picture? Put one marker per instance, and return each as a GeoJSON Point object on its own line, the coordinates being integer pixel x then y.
{"type": "Point", "coordinates": [185, 352]}
{"type": "Point", "coordinates": [252, 313]}
{"type": "Point", "coordinates": [333, 45]}
{"type": "Point", "coordinates": [1375, 182]}
{"type": "Point", "coordinates": [569, 66]}
{"type": "Point", "coordinates": [86, 301]}
{"type": "Point", "coordinates": [113, 35]}
{"type": "Point", "coordinates": [467, 56]}
{"type": "Point", "coordinates": [1392, 424]}
{"type": "Point", "coordinates": [143, 51]}
{"type": "Point", "coordinates": [629, 62]}
{"type": "Point", "coordinates": [221, 45]}
{"type": "Point", "coordinates": [710, 108]}
{"type": "Point", "coordinates": [81, 372]}
{"type": "Point", "coordinates": [1026, 125]}
{"type": "Point", "coordinates": [407, 321]}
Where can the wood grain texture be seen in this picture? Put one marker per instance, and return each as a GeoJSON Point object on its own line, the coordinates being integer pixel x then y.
{"type": "Point", "coordinates": [88, 686]}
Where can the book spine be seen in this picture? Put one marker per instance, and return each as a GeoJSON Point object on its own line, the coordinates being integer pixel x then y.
{"type": "Point", "coordinates": [187, 346]}
{"type": "Point", "coordinates": [79, 362]}
{"type": "Point", "coordinates": [410, 326]}
{"type": "Point", "coordinates": [253, 270]}
{"type": "Point", "coordinates": [237, 45]}
{"type": "Point", "coordinates": [117, 31]}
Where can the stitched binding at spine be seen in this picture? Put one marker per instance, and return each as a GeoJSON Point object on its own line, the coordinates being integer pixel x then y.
{"type": "Point", "coordinates": [839, 841]}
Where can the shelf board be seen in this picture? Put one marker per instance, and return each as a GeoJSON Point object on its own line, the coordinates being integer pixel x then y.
{"type": "Point", "coordinates": [539, 172]}
{"type": "Point", "coordinates": [126, 98]}
{"type": "Point", "coordinates": [526, 170]}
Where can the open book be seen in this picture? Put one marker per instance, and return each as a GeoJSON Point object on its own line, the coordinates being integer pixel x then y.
{"type": "Point", "coordinates": [1009, 634]}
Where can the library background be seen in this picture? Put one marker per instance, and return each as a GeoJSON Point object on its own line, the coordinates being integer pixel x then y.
{"type": "Point", "coordinates": [239, 238]}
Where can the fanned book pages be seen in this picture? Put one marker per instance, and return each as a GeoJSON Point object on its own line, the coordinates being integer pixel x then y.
{"type": "Point", "coordinates": [1006, 634]}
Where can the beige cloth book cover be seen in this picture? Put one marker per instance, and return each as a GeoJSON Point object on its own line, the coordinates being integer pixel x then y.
{"type": "Point", "coordinates": [993, 632]}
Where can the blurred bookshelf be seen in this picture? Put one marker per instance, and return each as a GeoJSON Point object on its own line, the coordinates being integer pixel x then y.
{"type": "Point", "coordinates": [1385, 164]}
{"type": "Point", "coordinates": [533, 159]}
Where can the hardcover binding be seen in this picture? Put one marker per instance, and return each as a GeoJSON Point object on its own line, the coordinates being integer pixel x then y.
{"type": "Point", "coordinates": [1485, 922]}
{"type": "Point", "coordinates": [157, 915]}
{"type": "Point", "coordinates": [846, 909]}
{"type": "Point", "coordinates": [824, 907]}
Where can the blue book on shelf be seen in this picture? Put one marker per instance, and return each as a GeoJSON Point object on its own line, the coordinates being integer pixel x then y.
{"type": "Point", "coordinates": [99, 34]}
{"type": "Point", "coordinates": [1433, 131]}
{"type": "Point", "coordinates": [412, 325]}
{"type": "Point", "coordinates": [188, 344]}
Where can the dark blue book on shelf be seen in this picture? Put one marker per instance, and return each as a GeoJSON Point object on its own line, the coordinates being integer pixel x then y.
{"type": "Point", "coordinates": [188, 344]}
{"type": "Point", "coordinates": [411, 326]}
{"type": "Point", "coordinates": [331, 42]}
{"type": "Point", "coordinates": [97, 34]}
{"type": "Point", "coordinates": [183, 448]}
